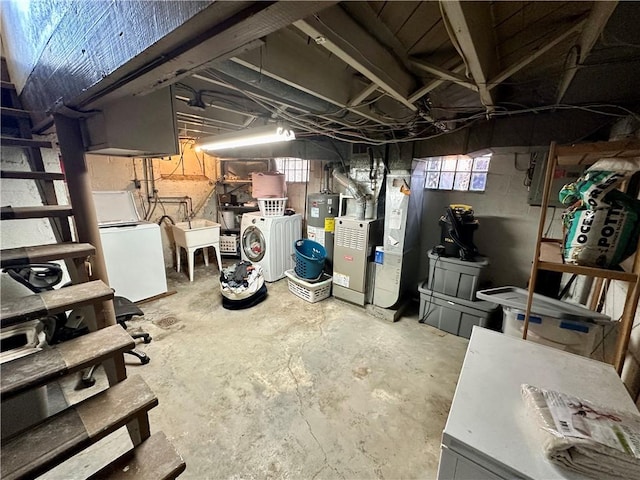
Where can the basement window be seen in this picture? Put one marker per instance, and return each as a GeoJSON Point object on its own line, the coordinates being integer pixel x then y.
{"type": "Point", "coordinates": [296, 170]}
{"type": "Point", "coordinates": [458, 172]}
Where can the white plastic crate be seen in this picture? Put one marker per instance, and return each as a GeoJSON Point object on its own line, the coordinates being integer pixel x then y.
{"type": "Point", "coordinates": [229, 243]}
{"type": "Point", "coordinates": [311, 292]}
{"type": "Point", "coordinates": [272, 207]}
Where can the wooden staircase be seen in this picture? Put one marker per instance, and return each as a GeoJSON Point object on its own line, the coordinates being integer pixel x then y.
{"type": "Point", "coordinates": [54, 439]}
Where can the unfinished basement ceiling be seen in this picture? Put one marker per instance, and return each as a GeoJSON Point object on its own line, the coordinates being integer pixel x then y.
{"type": "Point", "coordinates": [378, 72]}
{"type": "Point", "coordinates": [359, 72]}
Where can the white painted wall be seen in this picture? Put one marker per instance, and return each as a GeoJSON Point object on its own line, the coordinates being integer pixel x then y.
{"type": "Point", "coordinates": [23, 193]}
{"type": "Point", "coordinates": [171, 179]}
{"type": "Point", "coordinates": [191, 174]}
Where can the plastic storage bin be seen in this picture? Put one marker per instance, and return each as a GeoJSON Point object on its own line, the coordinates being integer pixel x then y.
{"type": "Point", "coordinates": [455, 277]}
{"type": "Point", "coordinates": [455, 315]}
{"type": "Point", "coordinates": [568, 335]}
{"type": "Point", "coordinates": [563, 325]}
{"type": "Point", "coordinates": [311, 292]}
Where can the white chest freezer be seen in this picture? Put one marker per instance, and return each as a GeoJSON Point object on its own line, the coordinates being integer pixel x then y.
{"type": "Point", "coordinates": [132, 248]}
{"type": "Point", "coordinates": [488, 434]}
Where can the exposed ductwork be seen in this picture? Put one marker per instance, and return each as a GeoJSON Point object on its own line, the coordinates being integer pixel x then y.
{"type": "Point", "coordinates": [355, 190]}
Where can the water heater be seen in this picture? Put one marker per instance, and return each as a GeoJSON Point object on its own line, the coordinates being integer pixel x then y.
{"type": "Point", "coordinates": [322, 208]}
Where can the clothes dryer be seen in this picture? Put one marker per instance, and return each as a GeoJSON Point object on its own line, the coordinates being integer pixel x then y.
{"type": "Point", "coordinates": [268, 242]}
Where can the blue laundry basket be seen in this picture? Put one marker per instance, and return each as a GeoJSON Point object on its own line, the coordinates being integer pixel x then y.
{"type": "Point", "coordinates": [310, 257]}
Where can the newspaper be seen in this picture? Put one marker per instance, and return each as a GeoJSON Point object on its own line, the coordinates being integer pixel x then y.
{"type": "Point", "coordinates": [575, 417]}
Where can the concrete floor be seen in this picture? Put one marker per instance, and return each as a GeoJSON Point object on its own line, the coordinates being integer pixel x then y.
{"type": "Point", "coordinates": [289, 389]}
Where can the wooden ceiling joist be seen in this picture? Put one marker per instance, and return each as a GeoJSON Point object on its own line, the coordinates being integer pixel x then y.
{"type": "Point", "coordinates": [288, 59]}
{"type": "Point", "coordinates": [443, 74]}
{"type": "Point", "coordinates": [283, 105]}
{"type": "Point", "coordinates": [424, 90]}
{"type": "Point", "coordinates": [364, 93]}
{"type": "Point", "coordinates": [516, 67]}
{"type": "Point", "coordinates": [230, 37]}
{"type": "Point", "coordinates": [470, 27]}
{"type": "Point", "coordinates": [592, 28]}
{"type": "Point", "coordinates": [334, 30]}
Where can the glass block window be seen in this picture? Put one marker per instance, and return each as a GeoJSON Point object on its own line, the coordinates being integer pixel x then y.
{"type": "Point", "coordinates": [295, 170]}
{"type": "Point", "coordinates": [457, 172]}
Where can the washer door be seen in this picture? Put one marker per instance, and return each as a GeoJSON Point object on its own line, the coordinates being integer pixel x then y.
{"type": "Point", "coordinates": [253, 244]}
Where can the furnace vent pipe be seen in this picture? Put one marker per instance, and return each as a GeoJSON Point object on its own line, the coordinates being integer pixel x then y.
{"type": "Point", "coordinates": [355, 191]}
{"type": "Point", "coordinates": [352, 187]}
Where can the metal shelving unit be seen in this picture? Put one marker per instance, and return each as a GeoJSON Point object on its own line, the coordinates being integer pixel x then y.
{"type": "Point", "coordinates": [548, 251]}
{"type": "Point", "coordinates": [240, 182]}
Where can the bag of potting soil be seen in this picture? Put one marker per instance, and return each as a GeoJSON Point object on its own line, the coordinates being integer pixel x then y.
{"type": "Point", "coordinates": [601, 238]}
{"type": "Point", "coordinates": [602, 226]}
{"type": "Point", "coordinates": [592, 189]}
{"type": "Point", "coordinates": [598, 181]}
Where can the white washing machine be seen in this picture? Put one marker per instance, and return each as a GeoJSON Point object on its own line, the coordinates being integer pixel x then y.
{"type": "Point", "coordinates": [268, 242]}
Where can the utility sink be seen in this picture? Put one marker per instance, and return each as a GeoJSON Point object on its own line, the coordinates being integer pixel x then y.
{"type": "Point", "coordinates": [197, 233]}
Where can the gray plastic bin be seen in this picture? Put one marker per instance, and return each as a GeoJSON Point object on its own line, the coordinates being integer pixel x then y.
{"type": "Point", "coordinates": [455, 315]}
{"type": "Point", "coordinates": [455, 277]}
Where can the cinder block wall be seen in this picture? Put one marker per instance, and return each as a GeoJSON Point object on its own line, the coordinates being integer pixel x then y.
{"type": "Point", "coordinates": [508, 224]}
{"type": "Point", "coordinates": [191, 174]}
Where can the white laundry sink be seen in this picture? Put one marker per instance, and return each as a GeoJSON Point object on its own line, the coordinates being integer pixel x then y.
{"type": "Point", "coordinates": [197, 233]}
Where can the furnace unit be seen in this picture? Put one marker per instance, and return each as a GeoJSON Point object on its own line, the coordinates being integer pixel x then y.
{"type": "Point", "coordinates": [354, 244]}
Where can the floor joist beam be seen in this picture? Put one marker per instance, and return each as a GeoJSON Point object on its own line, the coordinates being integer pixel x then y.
{"type": "Point", "coordinates": [443, 74]}
{"type": "Point", "coordinates": [470, 27]}
{"type": "Point", "coordinates": [288, 59]}
{"type": "Point", "coordinates": [591, 30]}
{"type": "Point", "coordinates": [334, 30]}
{"type": "Point", "coordinates": [424, 90]}
{"type": "Point", "coordinates": [516, 67]}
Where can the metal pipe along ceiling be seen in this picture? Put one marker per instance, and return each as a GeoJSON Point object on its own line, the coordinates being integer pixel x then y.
{"type": "Point", "coordinates": [275, 87]}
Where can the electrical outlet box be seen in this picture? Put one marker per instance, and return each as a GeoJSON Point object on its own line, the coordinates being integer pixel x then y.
{"type": "Point", "coordinates": [563, 175]}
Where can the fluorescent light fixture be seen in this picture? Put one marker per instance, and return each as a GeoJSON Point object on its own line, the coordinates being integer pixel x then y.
{"type": "Point", "coordinates": [244, 138]}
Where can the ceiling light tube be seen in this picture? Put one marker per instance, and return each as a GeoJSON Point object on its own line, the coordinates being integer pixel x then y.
{"type": "Point", "coordinates": [244, 138]}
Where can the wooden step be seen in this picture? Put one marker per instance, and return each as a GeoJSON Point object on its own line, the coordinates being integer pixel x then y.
{"type": "Point", "coordinates": [153, 459]}
{"type": "Point", "coordinates": [41, 211]}
{"type": "Point", "coordinates": [49, 443]}
{"type": "Point", "coordinates": [7, 85]}
{"type": "Point", "coordinates": [32, 175]}
{"type": "Point", "coordinates": [45, 253]}
{"type": "Point", "coordinates": [52, 302]}
{"type": "Point", "coordinates": [14, 112]}
{"type": "Point", "coordinates": [24, 142]}
{"type": "Point", "coordinates": [40, 368]}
